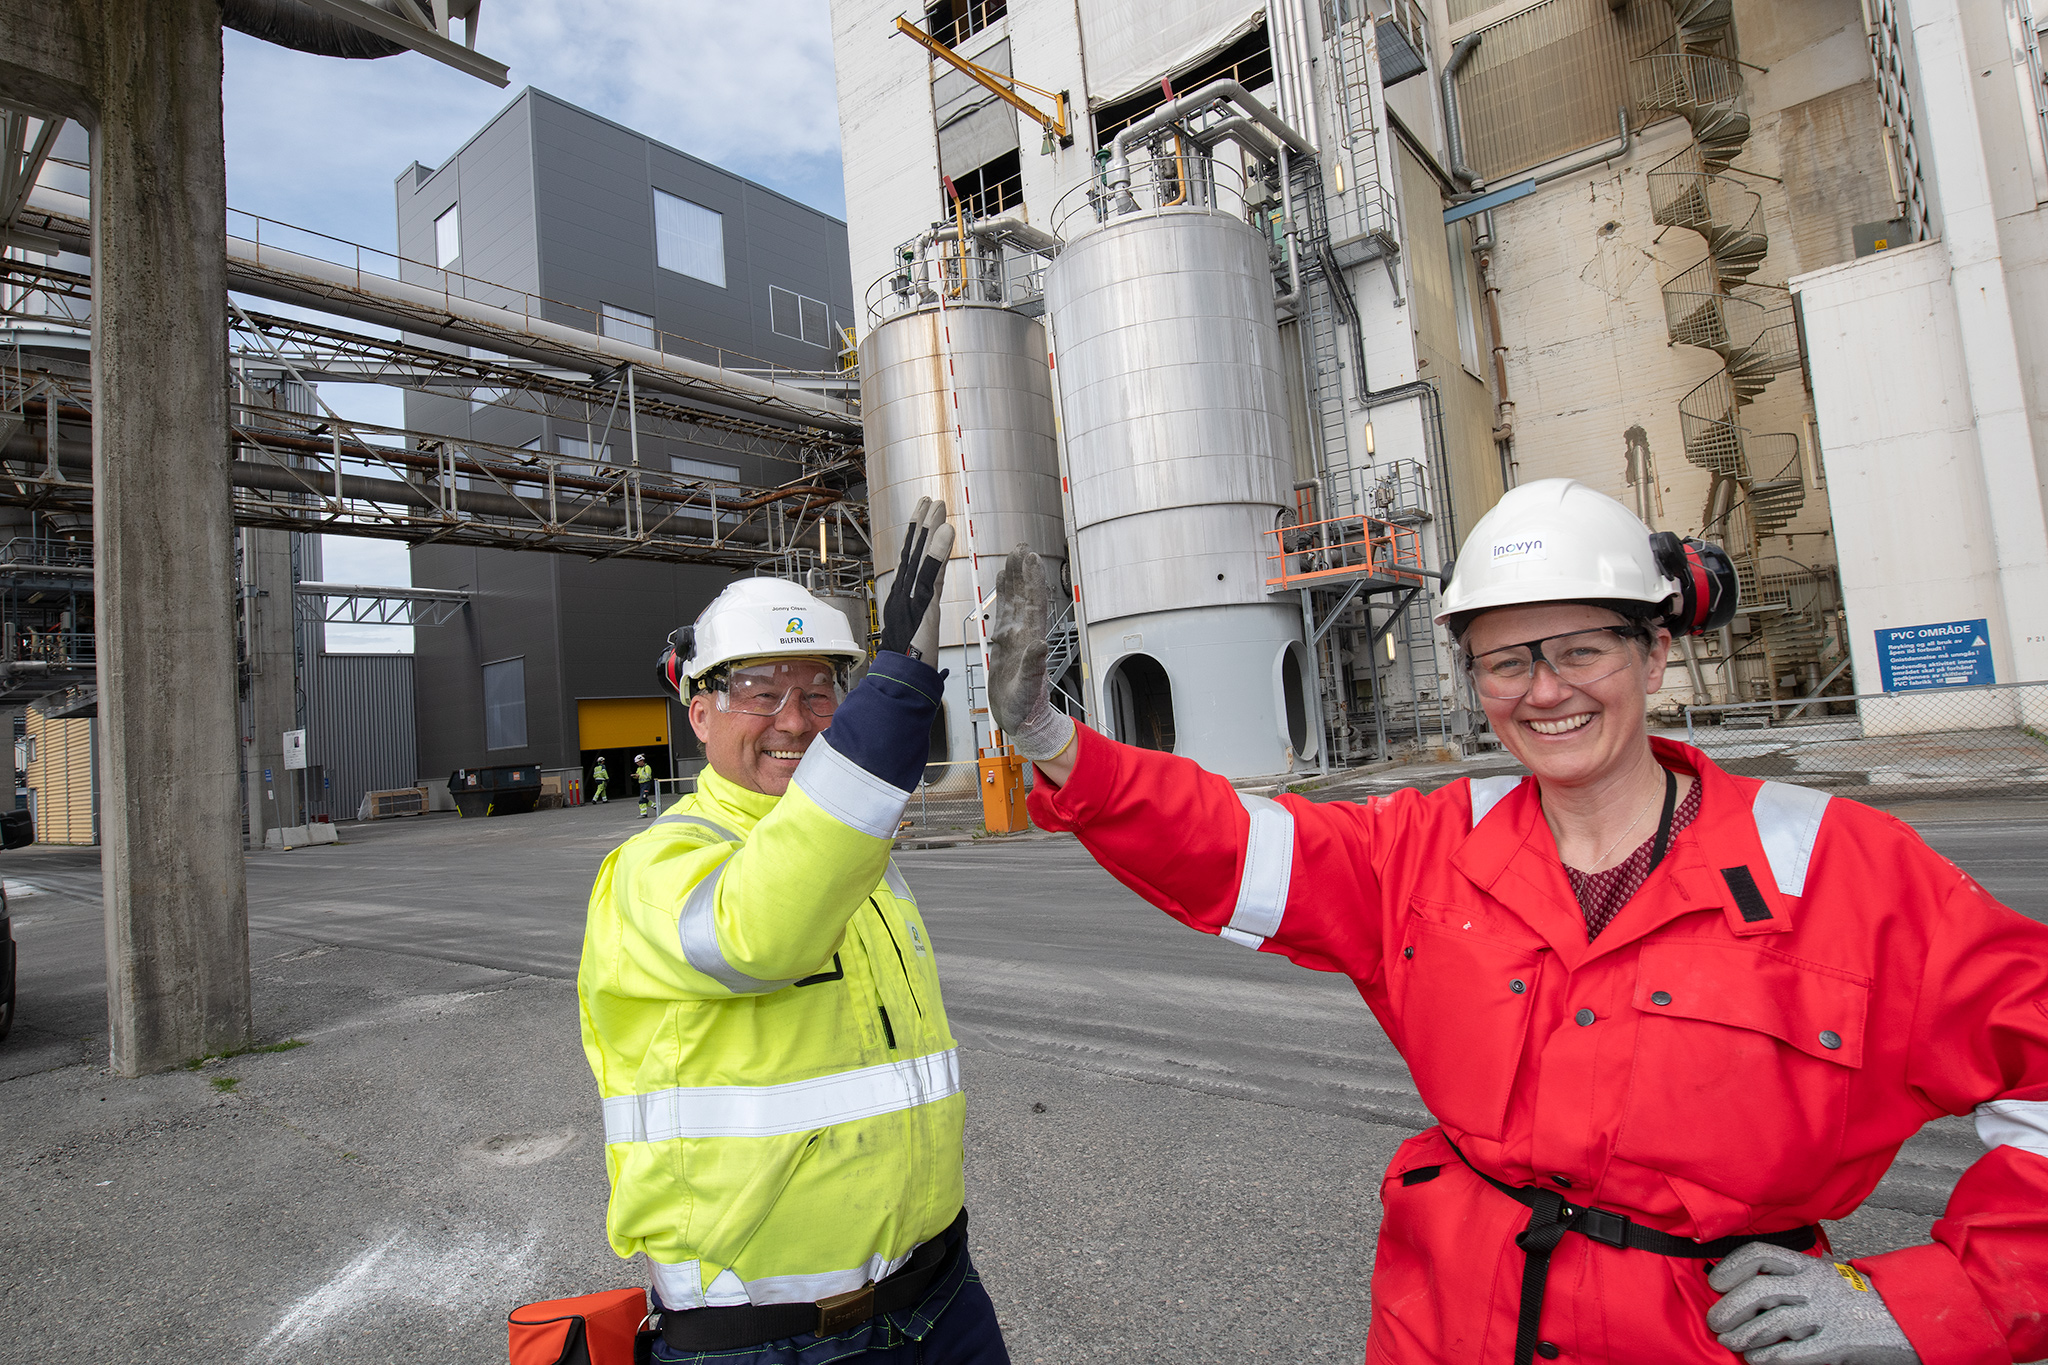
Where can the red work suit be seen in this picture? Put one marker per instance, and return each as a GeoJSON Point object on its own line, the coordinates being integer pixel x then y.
{"type": "Point", "coordinates": [1737, 1052]}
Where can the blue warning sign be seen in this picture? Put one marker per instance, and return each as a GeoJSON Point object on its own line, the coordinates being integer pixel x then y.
{"type": "Point", "coordinates": [1945, 654]}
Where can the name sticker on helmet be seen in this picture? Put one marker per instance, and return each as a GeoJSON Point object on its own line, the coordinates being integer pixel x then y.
{"type": "Point", "coordinates": [1519, 549]}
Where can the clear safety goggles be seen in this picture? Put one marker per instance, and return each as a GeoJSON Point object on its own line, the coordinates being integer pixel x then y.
{"type": "Point", "coordinates": [764, 689]}
{"type": "Point", "coordinates": [1578, 658]}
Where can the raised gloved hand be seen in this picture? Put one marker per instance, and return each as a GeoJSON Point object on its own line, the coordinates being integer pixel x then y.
{"type": "Point", "coordinates": [1779, 1307]}
{"type": "Point", "coordinates": [1018, 692]}
{"type": "Point", "coordinates": [910, 616]}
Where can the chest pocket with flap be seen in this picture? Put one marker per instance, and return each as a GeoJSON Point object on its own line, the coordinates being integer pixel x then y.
{"type": "Point", "coordinates": [1463, 997]}
{"type": "Point", "coordinates": [1742, 1067]}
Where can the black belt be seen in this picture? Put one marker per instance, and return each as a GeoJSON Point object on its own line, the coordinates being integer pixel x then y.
{"type": "Point", "coordinates": [1551, 1217]}
{"type": "Point", "coordinates": [725, 1329]}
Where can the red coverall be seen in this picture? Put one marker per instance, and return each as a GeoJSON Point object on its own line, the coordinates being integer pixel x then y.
{"type": "Point", "coordinates": [1735, 1053]}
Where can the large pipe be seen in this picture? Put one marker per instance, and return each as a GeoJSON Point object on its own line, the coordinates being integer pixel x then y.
{"type": "Point", "coordinates": [304, 28]}
{"type": "Point", "coordinates": [309, 282]}
{"type": "Point", "coordinates": [1453, 133]}
{"type": "Point", "coordinates": [1166, 114]}
{"type": "Point", "coordinates": [1007, 228]}
{"type": "Point", "coordinates": [76, 457]}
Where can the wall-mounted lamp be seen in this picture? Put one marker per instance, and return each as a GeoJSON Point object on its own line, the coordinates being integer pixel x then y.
{"type": "Point", "coordinates": [1368, 436]}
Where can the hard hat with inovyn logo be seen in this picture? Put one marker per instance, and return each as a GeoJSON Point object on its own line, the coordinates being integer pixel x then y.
{"type": "Point", "coordinates": [1556, 540]}
{"type": "Point", "coordinates": [756, 618]}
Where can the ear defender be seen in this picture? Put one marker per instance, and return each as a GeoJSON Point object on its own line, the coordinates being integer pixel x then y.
{"type": "Point", "coordinates": [1708, 592]}
{"type": "Point", "coordinates": [669, 667]}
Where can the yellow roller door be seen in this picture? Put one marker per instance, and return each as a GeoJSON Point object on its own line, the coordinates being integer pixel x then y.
{"type": "Point", "coordinates": [622, 722]}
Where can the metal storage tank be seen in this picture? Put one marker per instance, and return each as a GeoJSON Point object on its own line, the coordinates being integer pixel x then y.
{"type": "Point", "coordinates": [1168, 361]}
{"type": "Point", "coordinates": [1006, 416]}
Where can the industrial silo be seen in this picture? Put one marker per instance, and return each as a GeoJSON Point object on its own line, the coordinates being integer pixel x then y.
{"type": "Point", "coordinates": [1168, 362]}
{"type": "Point", "coordinates": [999, 375]}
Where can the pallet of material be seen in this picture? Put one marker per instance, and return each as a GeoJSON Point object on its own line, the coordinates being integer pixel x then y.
{"type": "Point", "coordinates": [398, 801]}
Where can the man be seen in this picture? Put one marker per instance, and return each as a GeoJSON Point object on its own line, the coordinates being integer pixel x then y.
{"type": "Point", "coordinates": [1668, 1019]}
{"type": "Point", "coordinates": [643, 773]}
{"type": "Point", "coordinates": [761, 1007]}
{"type": "Point", "coordinates": [599, 776]}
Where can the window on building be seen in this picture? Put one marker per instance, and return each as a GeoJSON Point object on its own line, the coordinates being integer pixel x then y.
{"type": "Point", "coordinates": [704, 469]}
{"type": "Point", "coordinates": [505, 704]}
{"type": "Point", "coordinates": [1248, 61]}
{"type": "Point", "coordinates": [689, 238]}
{"type": "Point", "coordinates": [577, 448]}
{"type": "Point", "coordinates": [448, 237]}
{"type": "Point", "coordinates": [952, 22]}
{"type": "Point", "coordinates": [626, 325]}
{"type": "Point", "coordinates": [988, 189]}
{"type": "Point", "coordinates": [1463, 294]}
{"type": "Point", "coordinates": [791, 314]}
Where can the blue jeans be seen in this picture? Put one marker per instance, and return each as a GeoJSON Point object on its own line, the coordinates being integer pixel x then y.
{"type": "Point", "coordinates": [954, 1325]}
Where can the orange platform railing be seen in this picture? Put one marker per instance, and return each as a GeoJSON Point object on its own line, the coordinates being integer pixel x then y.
{"type": "Point", "coordinates": [1344, 547]}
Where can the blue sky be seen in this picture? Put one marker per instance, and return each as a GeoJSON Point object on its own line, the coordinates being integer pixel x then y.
{"type": "Point", "coordinates": [317, 142]}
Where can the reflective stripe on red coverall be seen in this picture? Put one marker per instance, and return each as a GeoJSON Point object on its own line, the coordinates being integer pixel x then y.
{"type": "Point", "coordinates": [1797, 988]}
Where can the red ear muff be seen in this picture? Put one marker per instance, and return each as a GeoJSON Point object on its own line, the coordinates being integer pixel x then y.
{"type": "Point", "coordinates": [669, 667]}
{"type": "Point", "coordinates": [1708, 590]}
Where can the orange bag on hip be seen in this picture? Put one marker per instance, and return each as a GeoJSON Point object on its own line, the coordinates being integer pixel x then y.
{"type": "Point", "coordinates": [593, 1329]}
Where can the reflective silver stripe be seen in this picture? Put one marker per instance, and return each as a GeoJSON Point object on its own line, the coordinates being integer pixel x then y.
{"type": "Point", "coordinates": [709, 1111]}
{"type": "Point", "coordinates": [2014, 1123]}
{"type": "Point", "coordinates": [1487, 792]}
{"type": "Point", "coordinates": [698, 929]}
{"type": "Point", "coordinates": [848, 792]}
{"type": "Point", "coordinates": [679, 1285]}
{"type": "Point", "coordinates": [1241, 938]}
{"type": "Point", "coordinates": [1788, 821]}
{"type": "Point", "coordinates": [687, 818]}
{"type": "Point", "coordinates": [898, 887]}
{"type": "Point", "coordinates": [1268, 865]}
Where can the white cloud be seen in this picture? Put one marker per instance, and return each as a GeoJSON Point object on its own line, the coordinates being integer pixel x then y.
{"type": "Point", "coordinates": [318, 141]}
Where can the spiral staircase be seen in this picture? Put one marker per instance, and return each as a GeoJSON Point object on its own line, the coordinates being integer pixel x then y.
{"type": "Point", "coordinates": [1717, 305]}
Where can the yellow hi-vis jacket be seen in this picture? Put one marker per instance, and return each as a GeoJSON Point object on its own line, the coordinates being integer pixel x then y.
{"type": "Point", "coordinates": [761, 1009]}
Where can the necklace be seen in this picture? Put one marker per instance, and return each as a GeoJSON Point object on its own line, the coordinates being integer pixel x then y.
{"type": "Point", "coordinates": [1624, 834]}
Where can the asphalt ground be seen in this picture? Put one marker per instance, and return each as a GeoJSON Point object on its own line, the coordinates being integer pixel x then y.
{"type": "Point", "coordinates": [1173, 1146]}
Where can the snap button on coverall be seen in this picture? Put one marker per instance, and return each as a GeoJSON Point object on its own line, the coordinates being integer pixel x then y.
{"type": "Point", "coordinates": [1797, 988]}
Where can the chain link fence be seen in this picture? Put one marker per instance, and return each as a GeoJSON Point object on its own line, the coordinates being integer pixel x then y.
{"type": "Point", "coordinates": [1986, 741]}
{"type": "Point", "coordinates": [947, 804]}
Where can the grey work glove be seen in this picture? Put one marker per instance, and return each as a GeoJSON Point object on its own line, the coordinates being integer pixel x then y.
{"type": "Point", "coordinates": [1019, 693]}
{"type": "Point", "coordinates": [1779, 1307]}
{"type": "Point", "coordinates": [910, 616]}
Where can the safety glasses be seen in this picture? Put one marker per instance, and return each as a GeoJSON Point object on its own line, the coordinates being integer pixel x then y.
{"type": "Point", "coordinates": [764, 689]}
{"type": "Point", "coordinates": [1577, 657]}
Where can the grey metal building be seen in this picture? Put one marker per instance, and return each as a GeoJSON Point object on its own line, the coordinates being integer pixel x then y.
{"type": "Point", "coordinates": [599, 227]}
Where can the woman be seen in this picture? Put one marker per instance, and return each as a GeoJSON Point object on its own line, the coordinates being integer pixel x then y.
{"type": "Point", "coordinates": [1666, 1016]}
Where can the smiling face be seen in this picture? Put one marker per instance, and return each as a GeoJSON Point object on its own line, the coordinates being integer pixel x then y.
{"type": "Point", "coordinates": [1571, 736]}
{"type": "Point", "coordinates": [759, 753]}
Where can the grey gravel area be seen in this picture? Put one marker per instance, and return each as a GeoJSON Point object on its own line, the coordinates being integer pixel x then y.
{"type": "Point", "coordinates": [1199, 1184]}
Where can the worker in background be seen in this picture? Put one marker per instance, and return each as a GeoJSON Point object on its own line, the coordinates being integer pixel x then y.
{"type": "Point", "coordinates": [761, 1007]}
{"type": "Point", "coordinates": [599, 776]}
{"type": "Point", "coordinates": [643, 773]}
{"type": "Point", "coordinates": [1669, 1019]}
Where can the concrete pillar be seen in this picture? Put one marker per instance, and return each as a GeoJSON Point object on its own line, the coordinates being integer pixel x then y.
{"type": "Point", "coordinates": [176, 905]}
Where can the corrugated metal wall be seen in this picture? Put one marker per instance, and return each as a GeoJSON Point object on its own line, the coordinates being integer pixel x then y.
{"type": "Point", "coordinates": [363, 736]}
{"type": "Point", "coordinates": [62, 792]}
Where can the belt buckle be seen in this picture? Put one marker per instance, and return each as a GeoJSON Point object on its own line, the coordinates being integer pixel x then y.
{"type": "Point", "coordinates": [842, 1311]}
{"type": "Point", "coordinates": [1603, 1225]}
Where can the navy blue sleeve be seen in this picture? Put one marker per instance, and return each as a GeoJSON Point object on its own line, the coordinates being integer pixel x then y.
{"type": "Point", "coordinates": [884, 726]}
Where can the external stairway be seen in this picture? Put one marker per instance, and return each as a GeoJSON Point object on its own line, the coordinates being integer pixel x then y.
{"type": "Point", "coordinates": [1717, 304]}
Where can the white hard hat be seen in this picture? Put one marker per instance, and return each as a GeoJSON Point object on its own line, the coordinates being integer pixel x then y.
{"type": "Point", "coordinates": [757, 618]}
{"type": "Point", "coordinates": [1556, 540]}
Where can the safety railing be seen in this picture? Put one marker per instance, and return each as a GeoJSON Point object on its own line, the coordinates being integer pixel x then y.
{"type": "Point", "coordinates": [1008, 276]}
{"type": "Point", "coordinates": [1343, 547]}
{"type": "Point", "coordinates": [1179, 178]}
{"type": "Point", "coordinates": [1987, 740]}
{"type": "Point", "coordinates": [369, 264]}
